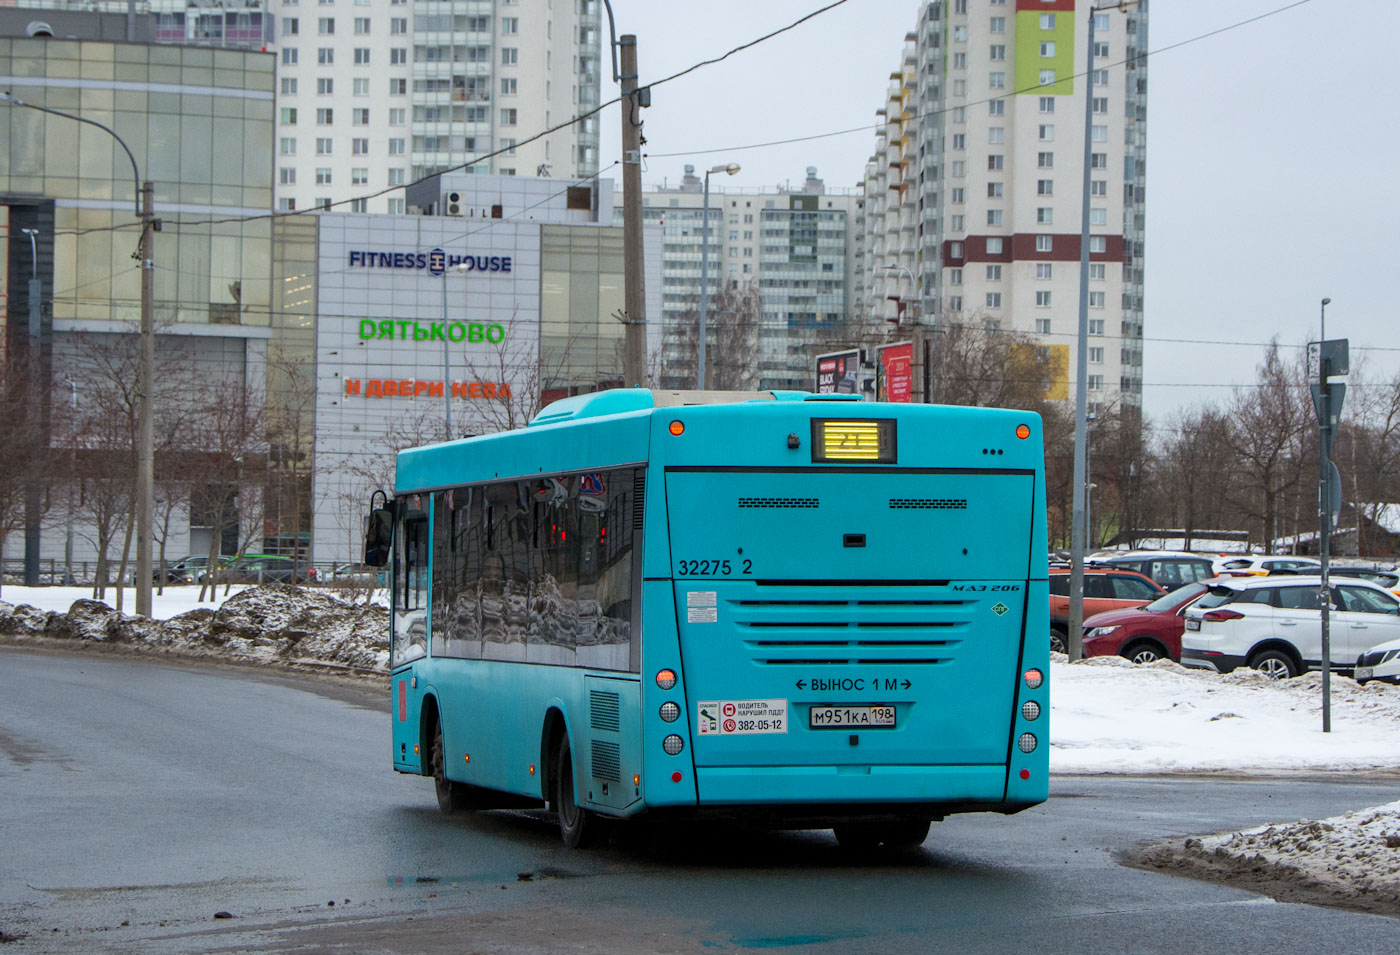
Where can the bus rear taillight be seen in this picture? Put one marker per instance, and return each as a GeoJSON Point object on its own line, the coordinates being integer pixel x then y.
{"type": "Point", "coordinates": [1034, 678]}
{"type": "Point", "coordinates": [666, 679]}
{"type": "Point", "coordinates": [677, 427]}
{"type": "Point", "coordinates": [1023, 431]}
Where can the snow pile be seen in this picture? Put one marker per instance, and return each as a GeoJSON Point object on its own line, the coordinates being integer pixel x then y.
{"type": "Point", "coordinates": [1352, 859]}
{"type": "Point", "coordinates": [272, 623]}
{"type": "Point", "coordinates": [1108, 715]}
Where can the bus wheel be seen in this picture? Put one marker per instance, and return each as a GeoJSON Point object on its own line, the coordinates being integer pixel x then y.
{"type": "Point", "coordinates": [579, 827]}
{"type": "Point", "coordinates": [451, 796]}
{"type": "Point", "coordinates": [867, 836]}
{"type": "Point", "coordinates": [905, 834]}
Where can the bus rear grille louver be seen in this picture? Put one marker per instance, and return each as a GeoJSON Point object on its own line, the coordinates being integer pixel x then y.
{"type": "Point", "coordinates": [607, 761]}
{"type": "Point", "coordinates": [938, 503]}
{"type": "Point", "coordinates": [824, 632]}
{"type": "Point", "coordinates": [639, 498]}
{"type": "Point", "coordinates": [779, 502]}
{"type": "Point", "coordinates": [603, 711]}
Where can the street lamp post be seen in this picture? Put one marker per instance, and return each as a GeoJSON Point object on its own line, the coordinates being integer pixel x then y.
{"type": "Point", "coordinates": [72, 471]}
{"type": "Point", "coordinates": [1078, 530]}
{"type": "Point", "coordinates": [145, 431]}
{"type": "Point", "coordinates": [731, 169]}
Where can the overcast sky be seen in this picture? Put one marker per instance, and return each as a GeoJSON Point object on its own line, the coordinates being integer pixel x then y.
{"type": "Point", "coordinates": [1273, 171]}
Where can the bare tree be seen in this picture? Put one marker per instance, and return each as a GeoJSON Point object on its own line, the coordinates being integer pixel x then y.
{"type": "Point", "coordinates": [22, 434]}
{"type": "Point", "coordinates": [977, 363]}
{"type": "Point", "coordinates": [1192, 479]}
{"type": "Point", "coordinates": [731, 360]}
{"type": "Point", "coordinates": [291, 410]}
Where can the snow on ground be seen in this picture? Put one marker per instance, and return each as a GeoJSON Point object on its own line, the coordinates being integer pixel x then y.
{"type": "Point", "coordinates": [176, 599]}
{"type": "Point", "coordinates": [1111, 716]}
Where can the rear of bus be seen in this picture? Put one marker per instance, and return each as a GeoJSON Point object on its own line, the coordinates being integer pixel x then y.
{"type": "Point", "coordinates": [845, 610]}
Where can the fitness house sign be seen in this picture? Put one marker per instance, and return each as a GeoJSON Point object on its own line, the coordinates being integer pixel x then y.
{"type": "Point", "coordinates": [435, 262]}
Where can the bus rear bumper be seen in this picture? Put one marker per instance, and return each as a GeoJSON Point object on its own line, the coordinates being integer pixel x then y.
{"type": "Point", "coordinates": [778, 785]}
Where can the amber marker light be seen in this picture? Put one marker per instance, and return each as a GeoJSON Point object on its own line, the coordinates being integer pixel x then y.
{"type": "Point", "coordinates": [1023, 431]}
{"type": "Point", "coordinates": [532, 769]}
{"type": "Point", "coordinates": [466, 757]}
{"type": "Point", "coordinates": [415, 749]}
{"type": "Point", "coordinates": [677, 427]}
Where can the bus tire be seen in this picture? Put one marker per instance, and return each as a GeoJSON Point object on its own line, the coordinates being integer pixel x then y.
{"type": "Point", "coordinates": [905, 834]}
{"type": "Point", "coordinates": [578, 827]}
{"type": "Point", "coordinates": [868, 836]}
{"type": "Point", "coordinates": [451, 796]}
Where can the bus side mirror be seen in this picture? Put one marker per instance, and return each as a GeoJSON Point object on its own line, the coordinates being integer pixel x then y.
{"type": "Point", "coordinates": [379, 536]}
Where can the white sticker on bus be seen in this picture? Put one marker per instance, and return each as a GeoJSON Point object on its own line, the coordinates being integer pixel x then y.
{"type": "Point", "coordinates": [741, 717]}
{"type": "Point", "coordinates": [701, 615]}
{"type": "Point", "coordinates": [701, 598]}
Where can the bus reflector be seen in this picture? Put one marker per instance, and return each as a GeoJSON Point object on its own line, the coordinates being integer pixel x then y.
{"type": "Point", "coordinates": [670, 712]}
{"type": "Point", "coordinates": [840, 440]}
{"type": "Point", "coordinates": [1023, 431]}
{"type": "Point", "coordinates": [1026, 742]}
{"type": "Point", "coordinates": [676, 777]}
{"type": "Point", "coordinates": [1025, 774]}
{"type": "Point", "coordinates": [1030, 711]}
{"type": "Point", "coordinates": [673, 745]}
{"type": "Point", "coordinates": [677, 427]}
{"type": "Point", "coordinates": [666, 679]}
{"type": "Point", "coordinates": [1034, 678]}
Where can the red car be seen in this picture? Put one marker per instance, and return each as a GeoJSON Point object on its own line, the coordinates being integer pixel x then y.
{"type": "Point", "coordinates": [1143, 634]}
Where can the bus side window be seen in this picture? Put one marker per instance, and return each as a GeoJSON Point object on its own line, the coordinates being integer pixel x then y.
{"type": "Point", "coordinates": [411, 589]}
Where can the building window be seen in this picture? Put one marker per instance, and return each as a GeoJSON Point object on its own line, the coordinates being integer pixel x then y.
{"type": "Point", "coordinates": [1099, 133]}
{"type": "Point", "coordinates": [396, 147]}
{"type": "Point", "coordinates": [1044, 215]}
{"type": "Point", "coordinates": [959, 87]}
{"type": "Point", "coordinates": [996, 135]}
{"type": "Point", "coordinates": [359, 117]}
{"type": "Point", "coordinates": [1101, 104]}
{"type": "Point", "coordinates": [997, 81]}
{"type": "Point", "coordinates": [1101, 77]}
{"type": "Point", "coordinates": [1096, 299]}
{"type": "Point", "coordinates": [289, 56]}
{"type": "Point", "coordinates": [994, 162]}
{"type": "Point", "coordinates": [325, 116]}
{"type": "Point", "coordinates": [359, 205]}
{"type": "Point", "coordinates": [996, 107]}
{"type": "Point", "coordinates": [994, 300]}
{"type": "Point", "coordinates": [959, 141]}
{"type": "Point", "coordinates": [1047, 77]}
{"type": "Point", "coordinates": [998, 51]}
{"type": "Point", "coordinates": [323, 147]}
{"type": "Point", "coordinates": [398, 116]}
{"type": "Point", "coordinates": [325, 86]}
{"type": "Point", "coordinates": [323, 176]}
{"type": "Point", "coordinates": [1042, 326]}
{"type": "Point", "coordinates": [1098, 187]}
{"type": "Point", "coordinates": [959, 61]}
{"type": "Point", "coordinates": [287, 176]}
{"type": "Point", "coordinates": [1047, 104]}
{"type": "Point", "coordinates": [509, 146]}
{"type": "Point", "coordinates": [955, 303]}
{"type": "Point", "coordinates": [325, 55]}
{"type": "Point", "coordinates": [1096, 382]}
{"type": "Point", "coordinates": [1096, 355]}
{"type": "Point", "coordinates": [1044, 243]}
{"type": "Point", "coordinates": [508, 116]}
{"type": "Point", "coordinates": [324, 204]}
{"type": "Point", "coordinates": [1047, 48]}
{"type": "Point", "coordinates": [1045, 160]}
{"type": "Point", "coordinates": [398, 55]}
{"type": "Point", "coordinates": [955, 276]}
{"type": "Point", "coordinates": [359, 147]}
{"type": "Point", "coordinates": [1045, 187]}
{"type": "Point", "coordinates": [1098, 243]}
{"type": "Point", "coordinates": [359, 177]}
{"type": "Point", "coordinates": [1097, 270]}
{"type": "Point", "coordinates": [957, 169]}
{"type": "Point", "coordinates": [289, 115]}
{"type": "Point", "coordinates": [510, 26]}
{"type": "Point", "coordinates": [1047, 21]}
{"type": "Point", "coordinates": [994, 245]}
{"type": "Point", "coordinates": [289, 85]}
{"type": "Point", "coordinates": [362, 56]}
{"type": "Point", "coordinates": [1042, 299]}
{"type": "Point", "coordinates": [359, 85]}
{"type": "Point", "coordinates": [955, 250]}
{"type": "Point", "coordinates": [1098, 160]}
{"type": "Point", "coordinates": [955, 222]}
{"type": "Point", "coordinates": [998, 24]}
{"type": "Point", "coordinates": [289, 146]}
{"type": "Point", "coordinates": [398, 87]}
{"type": "Point", "coordinates": [396, 207]}
{"type": "Point", "coordinates": [994, 217]}
{"type": "Point", "coordinates": [1044, 270]}
{"type": "Point", "coordinates": [1047, 132]}
{"type": "Point", "coordinates": [326, 26]}
{"type": "Point", "coordinates": [1101, 23]}
{"type": "Point", "coordinates": [1100, 49]}
{"type": "Point", "coordinates": [396, 177]}
{"type": "Point", "coordinates": [398, 26]}
{"type": "Point", "coordinates": [957, 195]}
{"type": "Point", "coordinates": [287, 204]}
{"type": "Point", "coordinates": [1096, 326]}
{"type": "Point", "coordinates": [1098, 217]}
{"type": "Point", "coordinates": [994, 190]}
{"type": "Point", "coordinates": [510, 56]}
{"type": "Point", "coordinates": [362, 26]}
{"type": "Point", "coordinates": [290, 25]}
{"type": "Point", "coordinates": [959, 114]}
{"type": "Point", "coordinates": [994, 273]}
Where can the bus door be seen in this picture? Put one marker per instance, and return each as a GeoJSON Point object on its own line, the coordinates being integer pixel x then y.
{"type": "Point", "coordinates": [832, 617]}
{"type": "Point", "coordinates": [409, 630]}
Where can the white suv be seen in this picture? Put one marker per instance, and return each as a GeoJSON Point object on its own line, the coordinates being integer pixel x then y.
{"type": "Point", "coordinates": [1274, 624]}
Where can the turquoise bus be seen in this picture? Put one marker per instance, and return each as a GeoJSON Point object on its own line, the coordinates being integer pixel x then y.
{"type": "Point", "coordinates": [796, 610]}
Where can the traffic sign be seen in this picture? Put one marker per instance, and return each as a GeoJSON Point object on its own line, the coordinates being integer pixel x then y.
{"type": "Point", "coordinates": [1335, 353]}
{"type": "Point", "coordinates": [1337, 392]}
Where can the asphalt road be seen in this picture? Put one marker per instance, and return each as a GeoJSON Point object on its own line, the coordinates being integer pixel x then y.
{"type": "Point", "coordinates": [140, 798]}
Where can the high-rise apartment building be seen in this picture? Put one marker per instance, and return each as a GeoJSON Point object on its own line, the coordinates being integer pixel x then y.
{"type": "Point", "coordinates": [374, 94]}
{"type": "Point", "coordinates": [974, 192]}
{"type": "Point", "coordinates": [780, 259]}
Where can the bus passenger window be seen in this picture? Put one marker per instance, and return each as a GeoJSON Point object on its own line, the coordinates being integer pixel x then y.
{"type": "Point", "coordinates": [411, 589]}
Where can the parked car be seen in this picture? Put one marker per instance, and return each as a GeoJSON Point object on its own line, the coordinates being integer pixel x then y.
{"type": "Point", "coordinates": [1143, 634]}
{"type": "Point", "coordinates": [1168, 568]}
{"type": "Point", "coordinates": [1388, 579]}
{"type": "Point", "coordinates": [1104, 589]}
{"type": "Point", "coordinates": [1381, 662]}
{"type": "Point", "coordinates": [186, 570]}
{"type": "Point", "coordinates": [263, 569]}
{"type": "Point", "coordinates": [358, 575]}
{"type": "Point", "coordinates": [1258, 565]}
{"type": "Point", "coordinates": [1274, 624]}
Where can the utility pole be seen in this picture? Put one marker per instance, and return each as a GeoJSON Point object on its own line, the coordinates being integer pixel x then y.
{"type": "Point", "coordinates": [634, 296]}
{"type": "Point", "coordinates": [145, 438]}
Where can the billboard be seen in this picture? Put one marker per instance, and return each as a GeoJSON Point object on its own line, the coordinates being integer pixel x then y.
{"type": "Point", "coordinates": [896, 370]}
{"type": "Point", "coordinates": [839, 373]}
